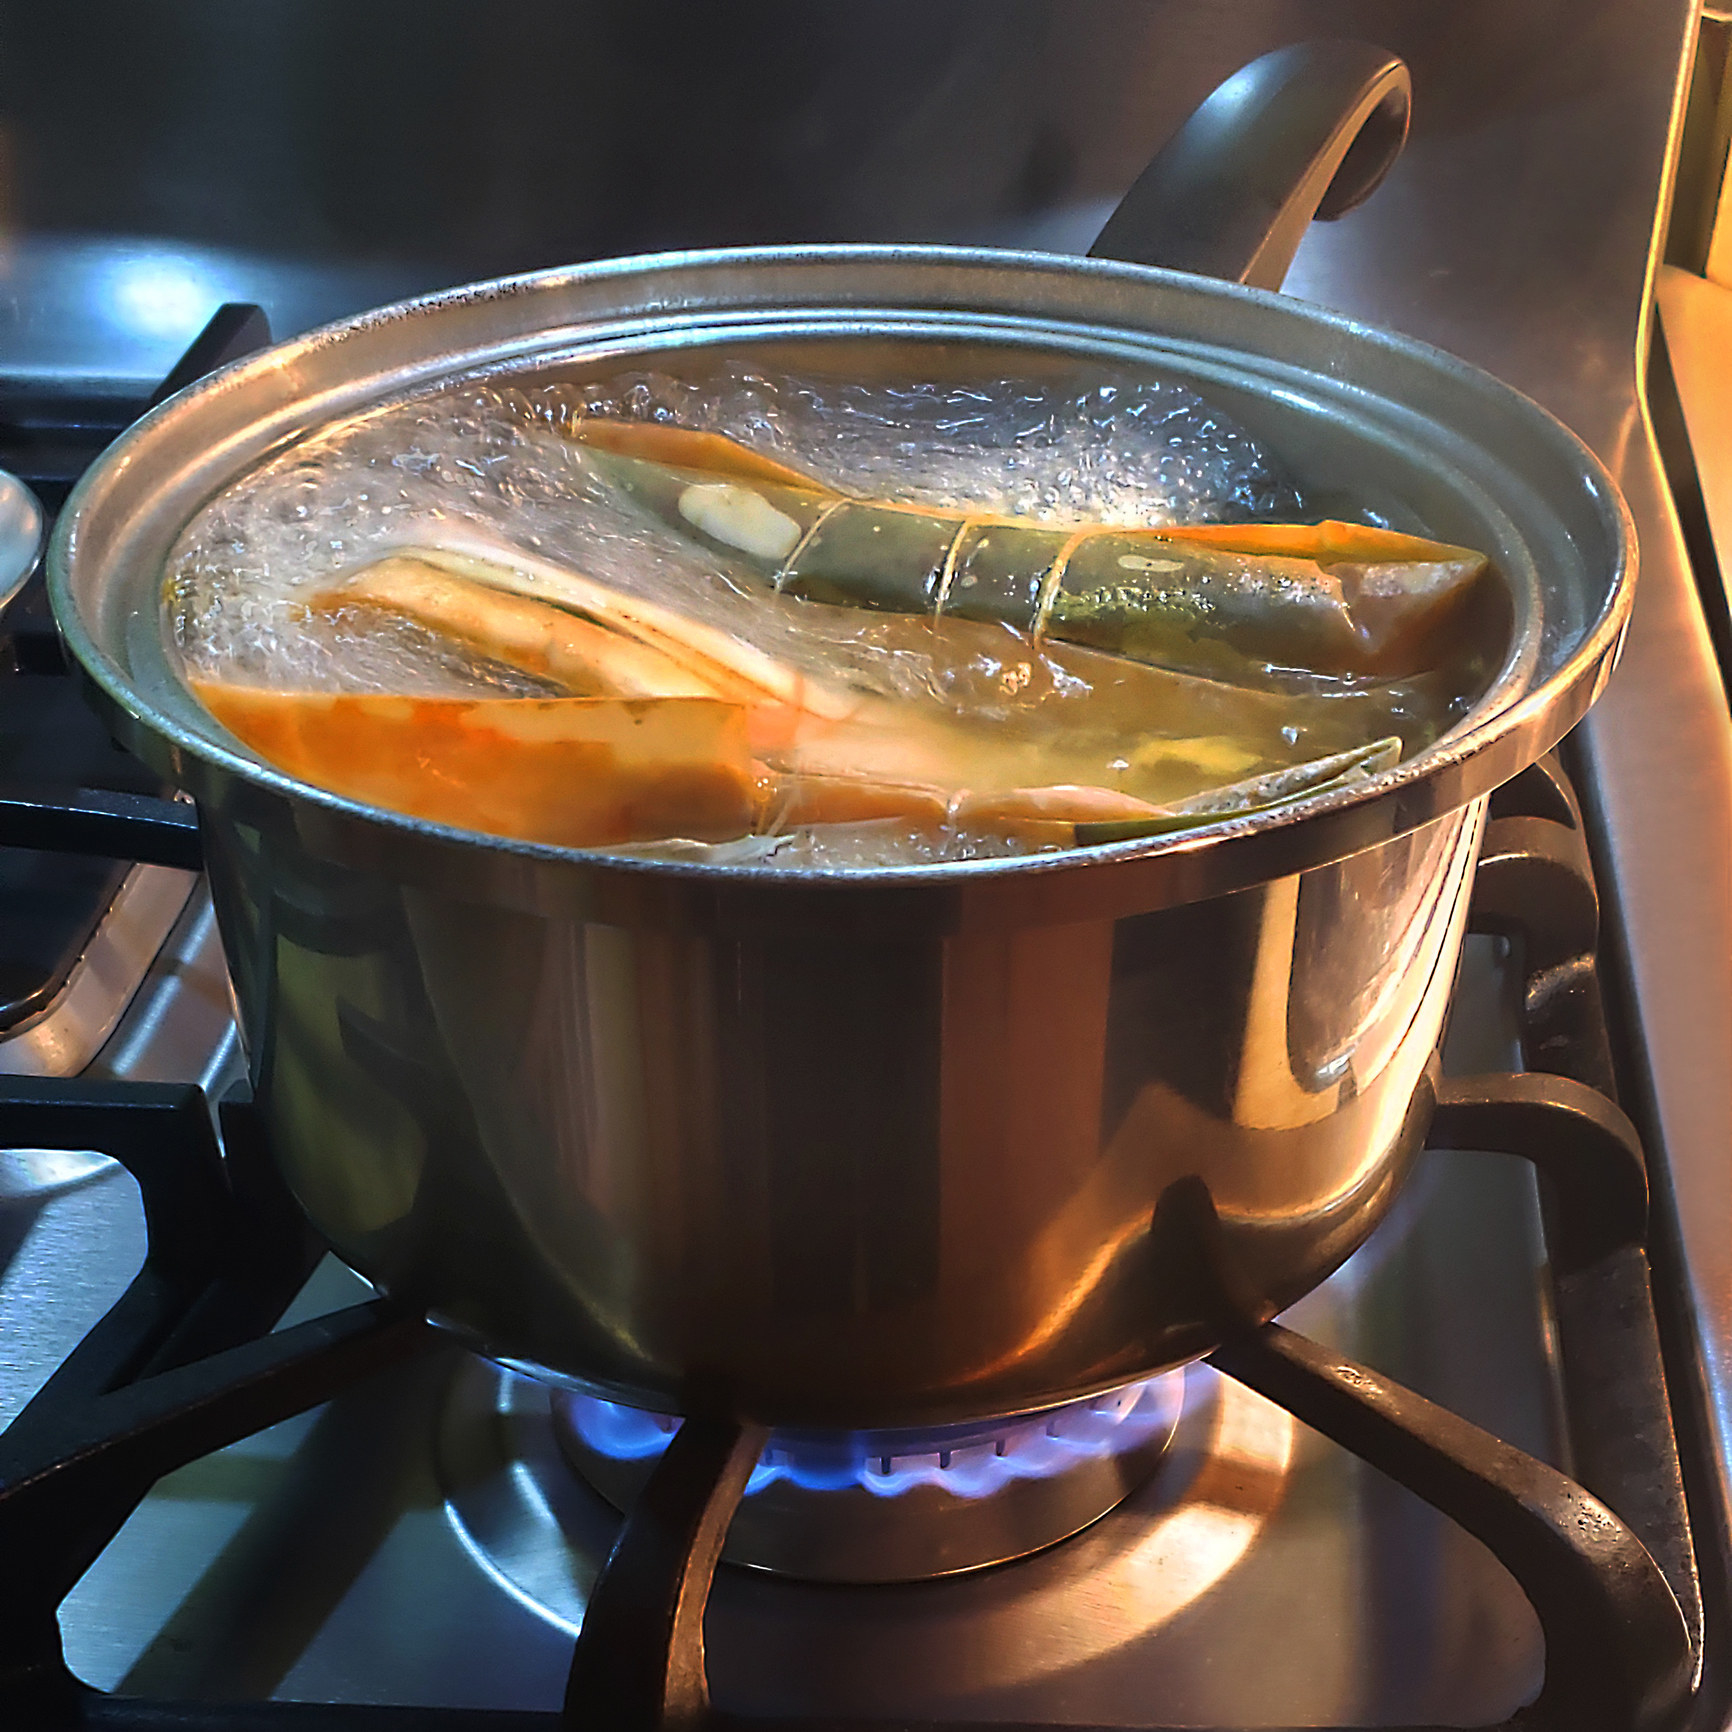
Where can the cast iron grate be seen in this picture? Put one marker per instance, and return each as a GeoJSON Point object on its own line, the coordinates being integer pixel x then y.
{"type": "Point", "coordinates": [185, 1363]}
{"type": "Point", "coordinates": [50, 906]}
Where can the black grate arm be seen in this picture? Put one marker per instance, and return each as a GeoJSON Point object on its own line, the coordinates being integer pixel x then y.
{"type": "Point", "coordinates": [1618, 1657]}
{"type": "Point", "coordinates": [639, 1662]}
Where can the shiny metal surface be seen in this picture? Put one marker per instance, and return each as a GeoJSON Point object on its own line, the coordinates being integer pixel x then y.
{"type": "Point", "coordinates": [67, 1033]}
{"type": "Point", "coordinates": [843, 1181]}
{"type": "Point", "coordinates": [130, 1007]}
{"type": "Point", "coordinates": [179, 1024]}
{"type": "Point", "coordinates": [71, 1230]}
{"type": "Point", "coordinates": [110, 314]}
{"type": "Point", "coordinates": [23, 530]}
{"type": "Point", "coordinates": [1569, 324]}
{"type": "Point", "coordinates": [35, 1173]}
{"type": "Point", "coordinates": [648, 1078]}
{"type": "Point", "coordinates": [1261, 1578]}
{"type": "Point", "coordinates": [1697, 318]}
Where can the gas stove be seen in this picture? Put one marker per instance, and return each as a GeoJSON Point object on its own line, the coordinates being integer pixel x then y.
{"type": "Point", "coordinates": [247, 1492]}
{"type": "Point", "coordinates": [435, 1532]}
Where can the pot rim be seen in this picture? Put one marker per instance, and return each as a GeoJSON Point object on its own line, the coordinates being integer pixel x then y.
{"type": "Point", "coordinates": [1497, 740]}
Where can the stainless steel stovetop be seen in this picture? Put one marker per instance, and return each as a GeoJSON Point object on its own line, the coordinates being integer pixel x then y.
{"type": "Point", "coordinates": [414, 1541]}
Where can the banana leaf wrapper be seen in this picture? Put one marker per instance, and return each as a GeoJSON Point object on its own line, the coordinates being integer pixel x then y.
{"type": "Point", "coordinates": [551, 643]}
{"type": "Point", "coordinates": [571, 772]}
{"type": "Point", "coordinates": [1264, 793]}
{"type": "Point", "coordinates": [1220, 599]}
{"type": "Point", "coordinates": [852, 765]}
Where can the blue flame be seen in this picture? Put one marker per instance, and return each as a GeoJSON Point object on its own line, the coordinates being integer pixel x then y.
{"type": "Point", "coordinates": [967, 1461]}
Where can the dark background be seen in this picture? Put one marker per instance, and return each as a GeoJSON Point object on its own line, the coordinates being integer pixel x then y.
{"type": "Point", "coordinates": [323, 155]}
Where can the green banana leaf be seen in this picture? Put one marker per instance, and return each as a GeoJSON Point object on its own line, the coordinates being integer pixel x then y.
{"type": "Point", "coordinates": [1265, 793]}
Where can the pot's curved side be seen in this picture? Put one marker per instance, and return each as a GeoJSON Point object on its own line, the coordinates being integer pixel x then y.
{"type": "Point", "coordinates": [828, 1180]}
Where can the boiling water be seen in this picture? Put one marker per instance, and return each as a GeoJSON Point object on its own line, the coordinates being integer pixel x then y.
{"type": "Point", "coordinates": [1144, 452]}
{"type": "Point", "coordinates": [497, 461]}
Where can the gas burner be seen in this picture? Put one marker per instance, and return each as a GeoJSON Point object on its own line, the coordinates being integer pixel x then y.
{"type": "Point", "coordinates": [901, 1506]}
{"type": "Point", "coordinates": [544, 1534]}
{"type": "Point", "coordinates": [863, 1507]}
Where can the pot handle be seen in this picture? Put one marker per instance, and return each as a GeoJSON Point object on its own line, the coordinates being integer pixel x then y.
{"type": "Point", "coordinates": [1305, 131]}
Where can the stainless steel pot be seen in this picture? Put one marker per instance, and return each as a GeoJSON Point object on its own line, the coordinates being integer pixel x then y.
{"type": "Point", "coordinates": [899, 1147]}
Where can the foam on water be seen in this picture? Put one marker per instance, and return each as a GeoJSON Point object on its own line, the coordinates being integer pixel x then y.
{"type": "Point", "coordinates": [241, 574]}
{"type": "Point", "coordinates": [495, 459]}
{"type": "Point", "coordinates": [1148, 452]}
